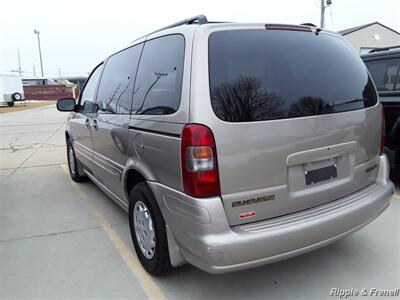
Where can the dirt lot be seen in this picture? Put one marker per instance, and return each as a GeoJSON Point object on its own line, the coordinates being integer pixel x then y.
{"type": "Point", "coordinates": [24, 105]}
{"type": "Point", "coordinates": [63, 240]}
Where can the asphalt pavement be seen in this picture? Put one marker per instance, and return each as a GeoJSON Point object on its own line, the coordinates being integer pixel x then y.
{"type": "Point", "coordinates": [61, 240]}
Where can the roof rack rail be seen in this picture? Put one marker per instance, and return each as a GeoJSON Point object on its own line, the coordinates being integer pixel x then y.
{"type": "Point", "coordinates": [308, 24]}
{"type": "Point", "coordinates": [383, 49]}
{"type": "Point", "coordinates": [200, 19]}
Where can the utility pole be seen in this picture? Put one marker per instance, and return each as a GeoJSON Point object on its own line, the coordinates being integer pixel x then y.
{"type": "Point", "coordinates": [37, 32]}
{"type": "Point", "coordinates": [19, 64]}
{"type": "Point", "coordinates": [323, 6]}
{"type": "Point", "coordinates": [34, 71]}
{"type": "Point", "coordinates": [59, 73]}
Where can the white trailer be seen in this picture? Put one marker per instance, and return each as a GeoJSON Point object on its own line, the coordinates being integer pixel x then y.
{"type": "Point", "coordinates": [11, 89]}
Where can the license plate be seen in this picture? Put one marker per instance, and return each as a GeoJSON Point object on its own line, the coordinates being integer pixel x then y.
{"type": "Point", "coordinates": [322, 174]}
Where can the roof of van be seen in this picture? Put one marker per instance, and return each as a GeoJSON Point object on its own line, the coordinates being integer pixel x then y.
{"type": "Point", "coordinates": [202, 20]}
{"type": "Point", "coordinates": [384, 51]}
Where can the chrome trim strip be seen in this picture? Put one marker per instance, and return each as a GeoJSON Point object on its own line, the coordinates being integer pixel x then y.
{"type": "Point", "coordinates": [84, 148]}
{"type": "Point", "coordinates": [114, 197]}
{"type": "Point", "coordinates": [103, 162]}
{"type": "Point", "coordinates": [80, 153]}
{"type": "Point", "coordinates": [151, 131]}
{"type": "Point", "coordinates": [111, 162]}
{"type": "Point", "coordinates": [105, 168]}
{"type": "Point", "coordinates": [107, 164]}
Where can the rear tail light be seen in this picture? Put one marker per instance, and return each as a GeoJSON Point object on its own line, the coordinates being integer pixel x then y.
{"type": "Point", "coordinates": [199, 162]}
{"type": "Point", "coordinates": [382, 131]}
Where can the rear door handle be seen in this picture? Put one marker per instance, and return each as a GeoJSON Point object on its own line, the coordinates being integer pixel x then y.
{"type": "Point", "coordinates": [87, 123]}
{"type": "Point", "coordinates": [95, 126]}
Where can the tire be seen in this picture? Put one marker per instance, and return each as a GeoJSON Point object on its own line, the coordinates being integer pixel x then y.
{"type": "Point", "coordinates": [10, 104]}
{"type": "Point", "coordinates": [158, 262]}
{"type": "Point", "coordinates": [73, 164]}
{"type": "Point", "coordinates": [16, 97]}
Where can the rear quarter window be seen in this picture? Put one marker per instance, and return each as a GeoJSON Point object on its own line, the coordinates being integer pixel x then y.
{"type": "Point", "coordinates": [159, 78]}
{"type": "Point", "coordinates": [258, 75]}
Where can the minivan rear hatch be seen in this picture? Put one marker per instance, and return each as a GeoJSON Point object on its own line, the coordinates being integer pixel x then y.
{"type": "Point", "coordinates": [297, 120]}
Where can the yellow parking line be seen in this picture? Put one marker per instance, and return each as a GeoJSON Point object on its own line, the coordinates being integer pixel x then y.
{"type": "Point", "coordinates": [152, 291]}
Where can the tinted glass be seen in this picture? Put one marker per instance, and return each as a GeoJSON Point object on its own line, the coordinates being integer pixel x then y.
{"type": "Point", "coordinates": [87, 96]}
{"type": "Point", "coordinates": [260, 75]}
{"type": "Point", "coordinates": [116, 86]}
{"type": "Point", "coordinates": [159, 78]}
{"type": "Point", "coordinates": [386, 74]}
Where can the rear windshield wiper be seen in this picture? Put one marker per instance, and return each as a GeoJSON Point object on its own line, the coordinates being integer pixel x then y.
{"type": "Point", "coordinates": [342, 102]}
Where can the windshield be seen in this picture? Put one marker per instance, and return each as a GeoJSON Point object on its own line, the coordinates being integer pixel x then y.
{"type": "Point", "coordinates": [260, 75]}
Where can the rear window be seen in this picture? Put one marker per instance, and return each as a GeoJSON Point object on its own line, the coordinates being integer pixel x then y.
{"type": "Point", "coordinates": [386, 74]}
{"type": "Point", "coordinates": [260, 75]}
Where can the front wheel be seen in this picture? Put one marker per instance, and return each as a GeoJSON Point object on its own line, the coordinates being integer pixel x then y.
{"type": "Point", "coordinates": [72, 164]}
{"type": "Point", "coordinates": [148, 232]}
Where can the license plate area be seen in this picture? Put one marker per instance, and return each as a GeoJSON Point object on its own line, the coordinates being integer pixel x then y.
{"type": "Point", "coordinates": [320, 174]}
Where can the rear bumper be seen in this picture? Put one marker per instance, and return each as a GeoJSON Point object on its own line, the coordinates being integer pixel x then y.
{"type": "Point", "coordinates": [200, 234]}
{"type": "Point", "coordinates": [393, 157]}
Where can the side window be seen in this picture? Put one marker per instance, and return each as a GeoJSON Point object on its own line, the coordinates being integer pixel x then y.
{"type": "Point", "coordinates": [116, 85]}
{"type": "Point", "coordinates": [159, 79]}
{"type": "Point", "coordinates": [88, 93]}
{"type": "Point", "coordinates": [385, 73]}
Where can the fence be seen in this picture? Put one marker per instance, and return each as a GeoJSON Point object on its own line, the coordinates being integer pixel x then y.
{"type": "Point", "coordinates": [48, 92]}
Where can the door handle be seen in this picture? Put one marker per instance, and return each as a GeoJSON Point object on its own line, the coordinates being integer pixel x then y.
{"type": "Point", "coordinates": [87, 123]}
{"type": "Point", "coordinates": [95, 126]}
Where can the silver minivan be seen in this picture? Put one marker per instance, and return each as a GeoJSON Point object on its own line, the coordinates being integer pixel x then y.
{"type": "Point", "coordinates": [232, 145]}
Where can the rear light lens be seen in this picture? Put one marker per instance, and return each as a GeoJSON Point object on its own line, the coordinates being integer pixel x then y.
{"type": "Point", "coordinates": [382, 131]}
{"type": "Point", "coordinates": [199, 162]}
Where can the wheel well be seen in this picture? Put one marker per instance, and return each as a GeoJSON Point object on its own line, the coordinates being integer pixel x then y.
{"type": "Point", "coordinates": [133, 178]}
{"type": "Point", "coordinates": [67, 137]}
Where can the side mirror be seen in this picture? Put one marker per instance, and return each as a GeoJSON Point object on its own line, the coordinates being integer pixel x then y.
{"type": "Point", "coordinates": [66, 104]}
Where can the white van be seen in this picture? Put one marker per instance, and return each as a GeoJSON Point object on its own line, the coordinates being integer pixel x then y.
{"type": "Point", "coordinates": [11, 89]}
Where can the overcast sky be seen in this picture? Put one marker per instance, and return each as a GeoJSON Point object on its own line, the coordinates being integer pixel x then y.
{"type": "Point", "coordinates": [76, 35]}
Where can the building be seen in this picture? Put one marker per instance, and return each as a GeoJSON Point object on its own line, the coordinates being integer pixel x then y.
{"type": "Point", "coordinates": [369, 36]}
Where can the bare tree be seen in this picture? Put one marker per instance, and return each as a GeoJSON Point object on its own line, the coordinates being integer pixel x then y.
{"type": "Point", "coordinates": [243, 101]}
{"type": "Point", "coordinates": [309, 106]}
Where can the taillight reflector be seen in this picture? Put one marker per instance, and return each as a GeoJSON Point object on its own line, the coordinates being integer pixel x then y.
{"type": "Point", "coordinates": [199, 162]}
{"type": "Point", "coordinates": [382, 146]}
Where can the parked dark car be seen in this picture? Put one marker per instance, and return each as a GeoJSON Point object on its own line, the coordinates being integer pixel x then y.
{"type": "Point", "coordinates": [384, 66]}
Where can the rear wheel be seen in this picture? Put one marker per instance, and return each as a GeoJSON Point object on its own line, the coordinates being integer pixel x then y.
{"type": "Point", "coordinates": [148, 232]}
{"type": "Point", "coordinates": [16, 97]}
{"type": "Point", "coordinates": [73, 164]}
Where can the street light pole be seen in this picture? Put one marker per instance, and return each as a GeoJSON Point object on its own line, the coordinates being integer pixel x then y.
{"type": "Point", "coordinates": [323, 6]}
{"type": "Point", "coordinates": [19, 64]}
{"type": "Point", "coordinates": [37, 32]}
{"type": "Point", "coordinates": [322, 14]}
